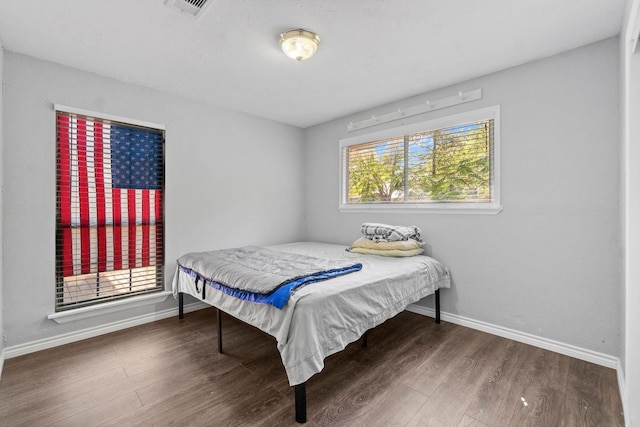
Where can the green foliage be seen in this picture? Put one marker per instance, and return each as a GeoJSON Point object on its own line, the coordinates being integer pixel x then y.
{"type": "Point", "coordinates": [376, 178]}
{"type": "Point", "coordinates": [451, 164]}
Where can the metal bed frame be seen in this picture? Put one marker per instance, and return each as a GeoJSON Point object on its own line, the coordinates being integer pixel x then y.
{"type": "Point", "coordinates": [300, 390]}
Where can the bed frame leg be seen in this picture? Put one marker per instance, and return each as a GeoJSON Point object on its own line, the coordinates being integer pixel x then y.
{"type": "Point", "coordinates": [219, 330]}
{"type": "Point", "coordinates": [437, 305]}
{"type": "Point", "coordinates": [180, 305]}
{"type": "Point", "coordinates": [300, 391]}
{"type": "Point", "coordinates": [365, 340]}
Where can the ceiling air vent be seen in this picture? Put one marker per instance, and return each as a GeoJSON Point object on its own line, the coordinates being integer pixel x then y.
{"type": "Point", "coordinates": [190, 7]}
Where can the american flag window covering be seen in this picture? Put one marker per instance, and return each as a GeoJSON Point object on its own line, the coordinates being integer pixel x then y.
{"type": "Point", "coordinates": [110, 185]}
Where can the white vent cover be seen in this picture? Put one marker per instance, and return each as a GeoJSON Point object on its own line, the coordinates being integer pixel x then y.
{"type": "Point", "coordinates": [190, 7]}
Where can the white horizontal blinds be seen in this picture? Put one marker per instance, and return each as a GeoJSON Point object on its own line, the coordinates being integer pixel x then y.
{"type": "Point", "coordinates": [110, 227]}
{"type": "Point", "coordinates": [452, 164]}
{"type": "Point", "coordinates": [376, 171]}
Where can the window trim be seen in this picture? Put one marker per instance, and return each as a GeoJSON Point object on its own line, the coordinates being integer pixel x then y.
{"type": "Point", "coordinates": [105, 116]}
{"type": "Point", "coordinates": [493, 207]}
{"type": "Point", "coordinates": [109, 307]}
{"type": "Point", "coordinates": [128, 301]}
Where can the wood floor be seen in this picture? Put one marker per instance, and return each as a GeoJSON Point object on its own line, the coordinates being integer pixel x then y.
{"type": "Point", "coordinates": [413, 373]}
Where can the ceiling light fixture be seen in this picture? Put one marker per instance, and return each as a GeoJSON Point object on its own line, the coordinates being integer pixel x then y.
{"type": "Point", "coordinates": [299, 44]}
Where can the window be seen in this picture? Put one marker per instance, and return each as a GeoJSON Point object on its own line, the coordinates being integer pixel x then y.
{"type": "Point", "coordinates": [109, 225]}
{"type": "Point", "coordinates": [446, 164]}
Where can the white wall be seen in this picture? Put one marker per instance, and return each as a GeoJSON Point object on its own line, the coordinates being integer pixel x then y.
{"type": "Point", "coordinates": [231, 180]}
{"type": "Point", "coordinates": [550, 263]}
{"type": "Point", "coordinates": [631, 157]}
{"type": "Point", "coordinates": [2, 344]}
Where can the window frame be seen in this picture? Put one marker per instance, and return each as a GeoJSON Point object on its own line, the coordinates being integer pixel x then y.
{"type": "Point", "coordinates": [492, 207]}
{"type": "Point", "coordinates": [85, 307]}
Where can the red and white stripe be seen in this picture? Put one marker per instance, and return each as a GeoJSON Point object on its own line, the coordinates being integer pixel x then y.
{"type": "Point", "coordinates": [102, 228]}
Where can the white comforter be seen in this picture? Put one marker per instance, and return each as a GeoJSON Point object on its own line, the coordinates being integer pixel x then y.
{"type": "Point", "coordinates": [323, 318]}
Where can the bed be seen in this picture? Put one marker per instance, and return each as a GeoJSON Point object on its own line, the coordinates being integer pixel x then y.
{"type": "Point", "coordinates": [322, 318]}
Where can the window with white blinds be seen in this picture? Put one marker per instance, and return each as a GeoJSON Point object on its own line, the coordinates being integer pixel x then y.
{"type": "Point", "coordinates": [110, 214]}
{"type": "Point", "coordinates": [449, 163]}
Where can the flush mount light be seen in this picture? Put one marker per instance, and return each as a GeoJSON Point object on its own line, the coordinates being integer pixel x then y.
{"type": "Point", "coordinates": [299, 44]}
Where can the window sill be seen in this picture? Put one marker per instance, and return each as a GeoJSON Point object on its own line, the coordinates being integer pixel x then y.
{"type": "Point", "coordinates": [108, 307]}
{"type": "Point", "coordinates": [466, 209]}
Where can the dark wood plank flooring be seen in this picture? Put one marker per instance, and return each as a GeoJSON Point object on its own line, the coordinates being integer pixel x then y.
{"type": "Point", "coordinates": [413, 373]}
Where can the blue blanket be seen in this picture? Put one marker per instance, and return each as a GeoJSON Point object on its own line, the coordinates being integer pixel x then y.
{"type": "Point", "coordinates": [260, 275]}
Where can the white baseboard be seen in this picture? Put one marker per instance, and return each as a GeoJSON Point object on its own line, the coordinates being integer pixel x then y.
{"type": "Point", "coordinates": [43, 344]}
{"type": "Point", "coordinates": [558, 347]}
{"type": "Point", "coordinates": [547, 344]}
{"type": "Point", "coordinates": [2, 357]}
{"type": "Point", "coordinates": [623, 395]}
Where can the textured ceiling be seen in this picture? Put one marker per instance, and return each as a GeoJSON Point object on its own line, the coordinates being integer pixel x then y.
{"type": "Point", "coordinates": [372, 51]}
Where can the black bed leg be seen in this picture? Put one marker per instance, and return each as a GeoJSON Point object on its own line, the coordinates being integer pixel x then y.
{"type": "Point", "coordinates": [180, 305]}
{"type": "Point", "coordinates": [365, 340]}
{"type": "Point", "coordinates": [301, 402]}
{"type": "Point", "coordinates": [437, 305]}
{"type": "Point", "coordinates": [219, 330]}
